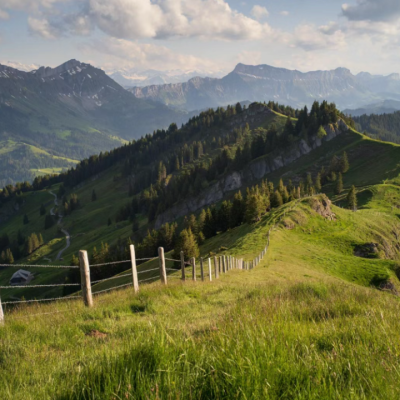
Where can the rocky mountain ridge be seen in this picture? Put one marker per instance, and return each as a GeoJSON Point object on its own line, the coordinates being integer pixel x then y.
{"type": "Point", "coordinates": [265, 83]}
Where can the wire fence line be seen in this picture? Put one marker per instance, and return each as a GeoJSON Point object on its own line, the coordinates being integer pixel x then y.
{"type": "Point", "coordinates": [38, 266]}
{"type": "Point", "coordinates": [210, 268]}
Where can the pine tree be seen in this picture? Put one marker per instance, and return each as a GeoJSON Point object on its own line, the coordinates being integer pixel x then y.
{"type": "Point", "coordinates": [9, 258]}
{"type": "Point", "coordinates": [188, 244]}
{"type": "Point", "coordinates": [238, 210]}
{"type": "Point", "coordinates": [26, 220]}
{"type": "Point", "coordinates": [352, 198]}
{"type": "Point", "coordinates": [224, 216]}
{"type": "Point", "coordinates": [74, 260]}
{"type": "Point", "coordinates": [41, 242]}
{"type": "Point", "coordinates": [28, 246]}
{"type": "Point", "coordinates": [276, 199]}
{"type": "Point", "coordinates": [254, 207]}
{"type": "Point", "coordinates": [94, 196]}
{"type": "Point", "coordinates": [317, 183]}
{"type": "Point", "coordinates": [35, 241]}
{"type": "Point", "coordinates": [109, 222]}
{"type": "Point", "coordinates": [210, 227]}
{"type": "Point", "coordinates": [42, 210]}
{"type": "Point", "coordinates": [344, 163]}
{"type": "Point", "coordinates": [339, 184]}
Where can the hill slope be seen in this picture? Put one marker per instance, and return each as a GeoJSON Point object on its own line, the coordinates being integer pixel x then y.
{"type": "Point", "coordinates": [293, 327]}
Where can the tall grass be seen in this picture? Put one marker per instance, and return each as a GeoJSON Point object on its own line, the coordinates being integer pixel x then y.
{"type": "Point", "coordinates": [233, 339]}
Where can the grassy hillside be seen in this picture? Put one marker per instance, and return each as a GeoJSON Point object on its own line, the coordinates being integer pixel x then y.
{"type": "Point", "coordinates": [308, 322]}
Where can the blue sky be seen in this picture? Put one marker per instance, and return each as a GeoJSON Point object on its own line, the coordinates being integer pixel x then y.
{"type": "Point", "coordinates": [205, 35]}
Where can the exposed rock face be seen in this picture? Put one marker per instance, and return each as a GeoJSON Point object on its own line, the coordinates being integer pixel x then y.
{"type": "Point", "coordinates": [322, 206]}
{"type": "Point", "coordinates": [256, 170]}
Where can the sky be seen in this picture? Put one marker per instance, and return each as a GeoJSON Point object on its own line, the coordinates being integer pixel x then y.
{"type": "Point", "coordinates": [202, 35]}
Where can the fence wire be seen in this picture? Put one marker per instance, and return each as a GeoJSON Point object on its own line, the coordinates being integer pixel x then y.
{"type": "Point", "coordinates": [39, 286]}
{"type": "Point", "coordinates": [39, 300]}
{"type": "Point", "coordinates": [37, 266]}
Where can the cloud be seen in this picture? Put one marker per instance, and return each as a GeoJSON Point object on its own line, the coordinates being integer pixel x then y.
{"type": "Point", "coordinates": [372, 10]}
{"type": "Point", "coordinates": [164, 19]}
{"type": "Point", "coordinates": [284, 13]}
{"type": "Point", "coordinates": [123, 53]}
{"type": "Point", "coordinates": [4, 14]}
{"type": "Point", "coordinates": [248, 57]}
{"type": "Point", "coordinates": [20, 66]}
{"type": "Point", "coordinates": [259, 12]}
{"type": "Point", "coordinates": [311, 38]}
{"type": "Point", "coordinates": [43, 28]}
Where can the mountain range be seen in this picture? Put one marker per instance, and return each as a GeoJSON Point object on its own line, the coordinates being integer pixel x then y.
{"type": "Point", "coordinates": [65, 114]}
{"type": "Point", "coordinates": [130, 77]}
{"type": "Point", "coordinates": [265, 83]}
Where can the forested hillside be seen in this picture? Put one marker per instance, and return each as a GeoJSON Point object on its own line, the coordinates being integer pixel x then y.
{"type": "Point", "coordinates": [383, 127]}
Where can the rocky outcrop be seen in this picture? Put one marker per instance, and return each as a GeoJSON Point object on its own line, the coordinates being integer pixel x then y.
{"type": "Point", "coordinates": [256, 170]}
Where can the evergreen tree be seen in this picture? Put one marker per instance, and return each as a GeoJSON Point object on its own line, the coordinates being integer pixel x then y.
{"type": "Point", "coordinates": [41, 242]}
{"type": "Point", "coordinates": [224, 216]}
{"type": "Point", "coordinates": [42, 209]}
{"type": "Point", "coordinates": [339, 184]}
{"type": "Point", "coordinates": [344, 163]}
{"type": "Point", "coordinates": [276, 199]}
{"type": "Point", "coordinates": [74, 260]}
{"type": "Point", "coordinates": [9, 258]}
{"type": "Point", "coordinates": [28, 246]}
{"type": "Point", "coordinates": [317, 184]}
{"type": "Point", "coordinates": [109, 222]}
{"type": "Point", "coordinates": [188, 244]}
{"type": "Point", "coordinates": [210, 226]}
{"type": "Point", "coordinates": [352, 198]}
{"type": "Point", "coordinates": [238, 210]}
{"type": "Point", "coordinates": [254, 207]}
{"type": "Point", "coordinates": [94, 196]}
{"type": "Point", "coordinates": [333, 176]}
{"type": "Point", "coordinates": [26, 220]}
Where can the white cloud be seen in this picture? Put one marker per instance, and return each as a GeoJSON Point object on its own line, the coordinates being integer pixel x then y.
{"type": "Point", "coordinates": [248, 57]}
{"type": "Point", "coordinates": [284, 13]}
{"type": "Point", "coordinates": [135, 19]}
{"type": "Point", "coordinates": [20, 66]}
{"type": "Point", "coordinates": [310, 38]}
{"type": "Point", "coordinates": [259, 12]}
{"type": "Point", "coordinates": [43, 28]}
{"type": "Point", "coordinates": [123, 53]}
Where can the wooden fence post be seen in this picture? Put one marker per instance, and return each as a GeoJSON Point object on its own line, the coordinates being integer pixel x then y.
{"type": "Point", "coordinates": [1, 314]}
{"type": "Point", "coordinates": [201, 269]}
{"type": "Point", "coordinates": [216, 268]}
{"type": "Point", "coordinates": [85, 278]}
{"type": "Point", "coordinates": [183, 266]}
{"type": "Point", "coordinates": [220, 264]}
{"type": "Point", "coordinates": [223, 265]}
{"type": "Point", "coordinates": [163, 272]}
{"type": "Point", "coordinates": [193, 269]}
{"type": "Point", "coordinates": [209, 270]}
{"type": "Point", "coordinates": [135, 280]}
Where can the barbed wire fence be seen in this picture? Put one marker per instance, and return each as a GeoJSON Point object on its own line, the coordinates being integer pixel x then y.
{"type": "Point", "coordinates": [210, 268]}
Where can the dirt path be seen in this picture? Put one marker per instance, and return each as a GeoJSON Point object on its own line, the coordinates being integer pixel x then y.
{"type": "Point", "coordinates": [66, 233]}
